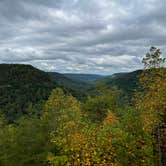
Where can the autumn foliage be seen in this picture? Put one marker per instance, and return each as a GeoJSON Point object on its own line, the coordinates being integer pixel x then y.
{"type": "Point", "coordinates": [97, 132]}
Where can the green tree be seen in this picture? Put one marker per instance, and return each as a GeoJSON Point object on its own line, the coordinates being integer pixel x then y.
{"type": "Point", "coordinates": [151, 98]}
{"type": "Point", "coordinates": [63, 116]}
{"type": "Point", "coordinates": [153, 59]}
{"type": "Point", "coordinates": [97, 106]}
{"type": "Point", "coordinates": [26, 143]}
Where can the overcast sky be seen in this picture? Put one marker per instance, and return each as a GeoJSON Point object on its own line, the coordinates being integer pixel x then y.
{"type": "Point", "coordinates": [81, 36]}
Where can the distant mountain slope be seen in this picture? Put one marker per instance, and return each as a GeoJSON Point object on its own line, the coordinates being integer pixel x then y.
{"type": "Point", "coordinates": [84, 77]}
{"type": "Point", "coordinates": [77, 88]}
{"type": "Point", "coordinates": [128, 82]}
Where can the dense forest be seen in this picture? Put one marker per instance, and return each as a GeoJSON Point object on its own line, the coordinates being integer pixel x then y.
{"type": "Point", "coordinates": [51, 119]}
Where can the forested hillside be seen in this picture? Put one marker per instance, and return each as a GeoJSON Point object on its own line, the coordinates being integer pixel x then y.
{"type": "Point", "coordinates": [127, 82]}
{"type": "Point", "coordinates": [78, 88]}
{"type": "Point", "coordinates": [20, 87]}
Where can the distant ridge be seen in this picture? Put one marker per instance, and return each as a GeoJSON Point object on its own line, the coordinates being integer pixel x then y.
{"type": "Point", "coordinates": [22, 74]}
{"type": "Point", "coordinates": [84, 77]}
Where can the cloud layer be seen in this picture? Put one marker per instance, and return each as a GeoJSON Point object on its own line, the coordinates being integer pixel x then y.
{"type": "Point", "coordinates": [81, 36]}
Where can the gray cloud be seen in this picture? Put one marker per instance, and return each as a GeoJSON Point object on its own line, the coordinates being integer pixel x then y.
{"type": "Point", "coordinates": [80, 35]}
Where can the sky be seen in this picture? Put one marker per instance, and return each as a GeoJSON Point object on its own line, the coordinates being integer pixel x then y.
{"type": "Point", "coordinates": [81, 36]}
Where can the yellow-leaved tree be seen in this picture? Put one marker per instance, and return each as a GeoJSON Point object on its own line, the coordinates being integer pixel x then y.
{"type": "Point", "coordinates": [151, 99]}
